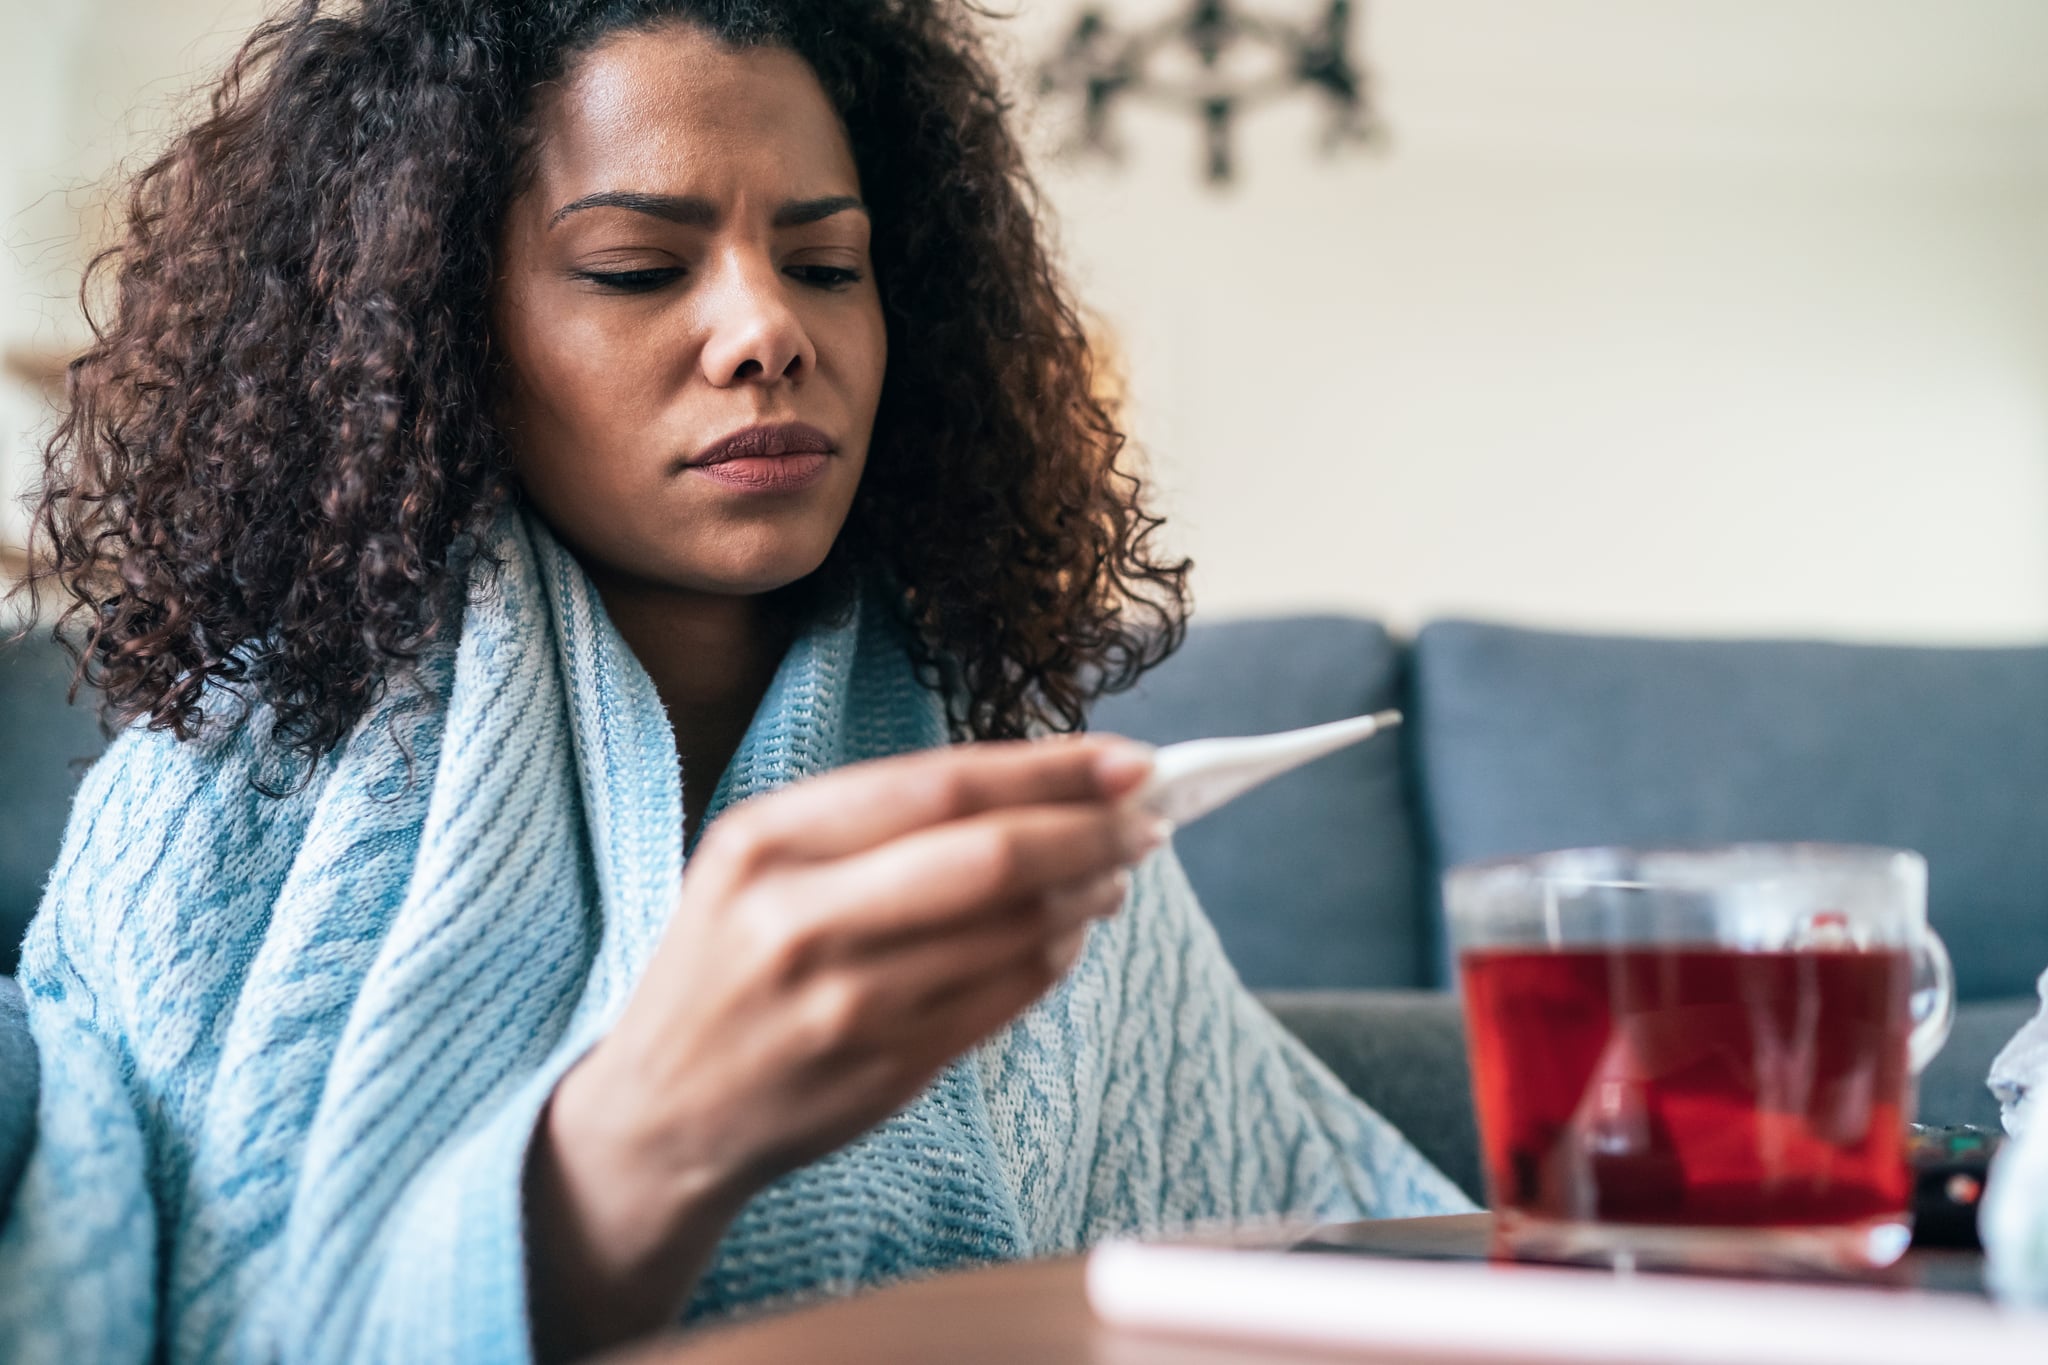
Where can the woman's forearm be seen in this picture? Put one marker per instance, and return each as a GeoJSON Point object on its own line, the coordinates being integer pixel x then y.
{"type": "Point", "coordinates": [614, 1248]}
{"type": "Point", "coordinates": [835, 946]}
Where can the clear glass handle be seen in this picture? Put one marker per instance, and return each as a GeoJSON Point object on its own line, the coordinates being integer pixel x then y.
{"type": "Point", "coordinates": [1934, 1000]}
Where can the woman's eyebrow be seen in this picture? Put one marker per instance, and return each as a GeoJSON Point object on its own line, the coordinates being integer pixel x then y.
{"type": "Point", "coordinates": [693, 211]}
{"type": "Point", "coordinates": [686, 209]}
{"type": "Point", "coordinates": [798, 212]}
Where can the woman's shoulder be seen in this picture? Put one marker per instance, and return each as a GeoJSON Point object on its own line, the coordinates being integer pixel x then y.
{"type": "Point", "coordinates": [228, 778]}
{"type": "Point", "coordinates": [162, 831]}
{"type": "Point", "coordinates": [189, 863]}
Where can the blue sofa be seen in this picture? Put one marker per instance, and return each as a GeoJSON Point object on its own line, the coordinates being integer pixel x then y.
{"type": "Point", "coordinates": [1323, 885]}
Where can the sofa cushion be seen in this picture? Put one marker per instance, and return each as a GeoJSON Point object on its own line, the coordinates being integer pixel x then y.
{"type": "Point", "coordinates": [1312, 879]}
{"type": "Point", "coordinates": [1532, 740]}
{"type": "Point", "coordinates": [44, 744]}
{"type": "Point", "coordinates": [18, 1088]}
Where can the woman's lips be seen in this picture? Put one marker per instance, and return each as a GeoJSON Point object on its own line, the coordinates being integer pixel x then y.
{"type": "Point", "coordinates": [767, 473]}
{"type": "Point", "coordinates": [776, 458]}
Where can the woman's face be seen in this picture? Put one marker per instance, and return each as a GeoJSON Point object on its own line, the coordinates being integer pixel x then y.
{"type": "Point", "coordinates": [688, 264]}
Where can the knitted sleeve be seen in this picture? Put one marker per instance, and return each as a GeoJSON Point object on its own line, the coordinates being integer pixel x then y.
{"type": "Point", "coordinates": [77, 1254]}
{"type": "Point", "coordinates": [1213, 1113]}
{"type": "Point", "coordinates": [80, 1260]}
{"type": "Point", "coordinates": [228, 1164]}
{"type": "Point", "coordinates": [443, 1279]}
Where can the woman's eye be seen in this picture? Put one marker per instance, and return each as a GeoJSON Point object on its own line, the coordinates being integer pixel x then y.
{"type": "Point", "coordinates": [825, 276]}
{"type": "Point", "coordinates": [631, 281]}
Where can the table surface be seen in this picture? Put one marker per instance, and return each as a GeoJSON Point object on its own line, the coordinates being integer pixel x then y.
{"type": "Point", "coordinates": [1036, 1313]}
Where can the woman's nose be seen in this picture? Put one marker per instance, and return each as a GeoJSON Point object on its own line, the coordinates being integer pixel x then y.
{"type": "Point", "coordinates": [755, 336]}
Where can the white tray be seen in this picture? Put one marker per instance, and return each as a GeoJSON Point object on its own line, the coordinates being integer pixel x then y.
{"type": "Point", "coordinates": [1524, 1313]}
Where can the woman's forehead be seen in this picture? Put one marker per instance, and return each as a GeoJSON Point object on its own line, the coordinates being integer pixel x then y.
{"type": "Point", "coordinates": [673, 111]}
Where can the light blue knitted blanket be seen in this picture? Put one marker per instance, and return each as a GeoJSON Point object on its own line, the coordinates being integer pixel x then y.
{"type": "Point", "coordinates": [293, 1048]}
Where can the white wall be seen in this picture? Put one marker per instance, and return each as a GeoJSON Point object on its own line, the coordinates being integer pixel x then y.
{"type": "Point", "coordinates": [1714, 315]}
{"type": "Point", "coordinates": [85, 87]}
{"type": "Point", "coordinates": [32, 110]}
{"type": "Point", "coordinates": [1680, 315]}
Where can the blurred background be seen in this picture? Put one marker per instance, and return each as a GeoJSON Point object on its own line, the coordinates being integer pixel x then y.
{"type": "Point", "coordinates": [1676, 316]}
{"type": "Point", "coordinates": [1679, 318]}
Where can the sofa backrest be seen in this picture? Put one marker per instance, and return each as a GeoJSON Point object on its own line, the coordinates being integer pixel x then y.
{"type": "Point", "coordinates": [1311, 881]}
{"type": "Point", "coordinates": [44, 747]}
{"type": "Point", "coordinates": [1532, 740]}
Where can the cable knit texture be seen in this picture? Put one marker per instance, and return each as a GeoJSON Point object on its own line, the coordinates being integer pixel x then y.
{"type": "Point", "coordinates": [293, 1048]}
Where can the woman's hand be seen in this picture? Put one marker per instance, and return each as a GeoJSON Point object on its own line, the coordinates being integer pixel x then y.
{"type": "Point", "coordinates": [835, 946]}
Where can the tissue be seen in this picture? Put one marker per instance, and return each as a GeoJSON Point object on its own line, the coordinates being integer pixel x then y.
{"type": "Point", "coordinates": [2013, 1220]}
{"type": "Point", "coordinates": [2021, 1069]}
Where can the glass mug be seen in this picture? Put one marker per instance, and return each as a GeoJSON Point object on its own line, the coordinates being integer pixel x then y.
{"type": "Point", "coordinates": [1700, 1059]}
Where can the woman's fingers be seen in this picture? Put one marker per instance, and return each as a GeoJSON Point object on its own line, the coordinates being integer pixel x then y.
{"type": "Point", "coordinates": [822, 923]}
{"type": "Point", "coordinates": [956, 875]}
{"type": "Point", "coordinates": [1077, 905]}
{"type": "Point", "coordinates": [961, 1017]}
{"type": "Point", "coordinates": [903, 997]}
{"type": "Point", "coordinates": [857, 808]}
{"type": "Point", "coordinates": [934, 962]}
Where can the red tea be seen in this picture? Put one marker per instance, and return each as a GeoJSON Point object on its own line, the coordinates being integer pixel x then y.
{"type": "Point", "coordinates": [1692, 1086]}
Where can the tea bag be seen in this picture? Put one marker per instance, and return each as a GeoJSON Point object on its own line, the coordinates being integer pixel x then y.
{"type": "Point", "coordinates": [2013, 1220]}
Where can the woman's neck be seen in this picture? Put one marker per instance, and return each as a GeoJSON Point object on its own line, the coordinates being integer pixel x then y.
{"type": "Point", "coordinates": [711, 658]}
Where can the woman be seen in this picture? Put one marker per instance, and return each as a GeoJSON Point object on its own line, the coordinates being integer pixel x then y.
{"type": "Point", "coordinates": [529, 435]}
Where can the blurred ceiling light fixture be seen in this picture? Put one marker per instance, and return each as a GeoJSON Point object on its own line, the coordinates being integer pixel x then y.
{"type": "Point", "coordinates": [1217, 61]}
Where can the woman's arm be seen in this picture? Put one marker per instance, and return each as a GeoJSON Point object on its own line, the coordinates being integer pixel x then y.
{"type": "Point", "coordinates": [122, 1029]}
{"type": "Point", "coordinates": [77, 1250]}
{"type": "Point", "coordinates": [608, 1251]}
{"type": "Point", "coordinates": [836, 946]}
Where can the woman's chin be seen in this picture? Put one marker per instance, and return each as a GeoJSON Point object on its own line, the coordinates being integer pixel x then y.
{"type": "Point", "coordinates": [752, 576]}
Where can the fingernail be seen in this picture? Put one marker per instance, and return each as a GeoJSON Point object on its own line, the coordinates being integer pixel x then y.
{"type": "Point", "coordinates": [1122, 764]}
{"type": "Point", "coordinates": [1064, 951]}
{"type": "Point", "coordinates": [1109, 896]}
{"type": "Point", "coordinates": [1144, 833]}
{"type": "Point", "coordinates": [1098, 900]}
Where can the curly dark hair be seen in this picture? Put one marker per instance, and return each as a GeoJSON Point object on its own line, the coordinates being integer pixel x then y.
{"type": "Point", "coordinates": [279, 452]}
